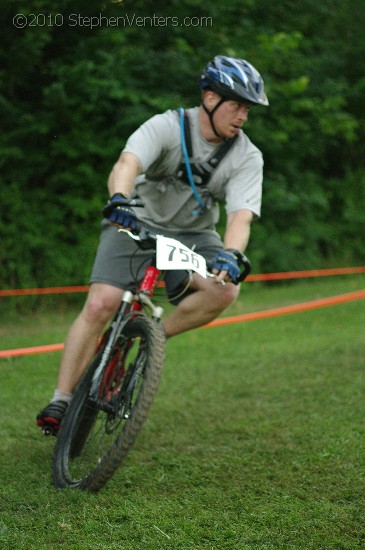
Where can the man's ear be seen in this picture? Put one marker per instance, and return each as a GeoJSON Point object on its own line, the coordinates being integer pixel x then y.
{"type": "Point", "coordinates": [210, 98]}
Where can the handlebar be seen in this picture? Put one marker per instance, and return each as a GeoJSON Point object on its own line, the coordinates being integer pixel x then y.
{"type": "Point", "coordinates": [146, 240]}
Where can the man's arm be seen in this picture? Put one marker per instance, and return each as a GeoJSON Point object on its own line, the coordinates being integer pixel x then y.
{"type": "Point", "coordinates": [238, 229]}
{"type": "Point", "coordinates": [236, 236]}
{"type": "Point", "coordinates": [123, 174]}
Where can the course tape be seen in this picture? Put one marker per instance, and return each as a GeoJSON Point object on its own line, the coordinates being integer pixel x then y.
{"type": "Point", "coordinates": [49, 290]}
{"type": "Point", "coordinates": [30, 351]}
{"type": "Point", "coordinates": [285, 310]}
{"type": "Point", "coordinates": [276, 312]}
{"type": "Point", "coordinates": [284, 275]}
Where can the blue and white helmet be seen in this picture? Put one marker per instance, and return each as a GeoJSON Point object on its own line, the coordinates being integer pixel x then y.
{"type": "Point", "coordinates": [234, 79]}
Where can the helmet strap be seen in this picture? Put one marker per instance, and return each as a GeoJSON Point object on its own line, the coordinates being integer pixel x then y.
{"type": "Point", "coordinates": [211, 113]}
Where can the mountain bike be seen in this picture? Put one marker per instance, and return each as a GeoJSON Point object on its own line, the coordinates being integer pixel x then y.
{"type": "Point", "coordinates": [112, 400]}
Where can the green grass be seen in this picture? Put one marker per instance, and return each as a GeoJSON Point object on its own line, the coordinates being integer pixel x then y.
{"type": "Point", "coordinates": [256, 438]}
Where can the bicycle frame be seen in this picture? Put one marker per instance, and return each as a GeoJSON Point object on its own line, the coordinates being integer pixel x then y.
{"type": "Point", "coordinates": [130, 303]}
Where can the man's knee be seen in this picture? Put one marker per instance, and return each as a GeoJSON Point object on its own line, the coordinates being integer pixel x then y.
{"type": "Point", "coordinates": [101, 303]}
{"type": "Point", "coordinates": [219, 297]}
{"type": "Point", "coordinates": [224, 295]}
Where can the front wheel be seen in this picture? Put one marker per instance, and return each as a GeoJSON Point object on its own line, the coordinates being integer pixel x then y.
{"type": "Point", "coordinates": [100, 427]}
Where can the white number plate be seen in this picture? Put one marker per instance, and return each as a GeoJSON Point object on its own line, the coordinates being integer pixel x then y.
{"type": "Point", "coordinates": [172, 254]}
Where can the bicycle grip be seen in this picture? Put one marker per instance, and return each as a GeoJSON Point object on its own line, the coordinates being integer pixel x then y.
{"type": "Point", "coordinates": [137, 203]}
{"type": "Point", "coordinates": [245, 262]}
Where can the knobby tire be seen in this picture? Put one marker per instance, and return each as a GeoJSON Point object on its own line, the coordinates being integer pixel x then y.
{"type": "Point", "coordinates": [92, 442]}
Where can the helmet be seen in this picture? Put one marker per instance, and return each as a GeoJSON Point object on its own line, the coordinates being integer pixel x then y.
{"type": "Point", "coordinates": [234, 79]}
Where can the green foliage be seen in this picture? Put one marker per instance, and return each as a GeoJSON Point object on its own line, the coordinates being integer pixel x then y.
{"type": "Point", "coordinates": [70, 95]}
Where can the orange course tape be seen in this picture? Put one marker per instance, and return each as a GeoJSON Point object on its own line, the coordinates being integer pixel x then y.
{"type": "Point", "coordinates": [304, 274]}
{"type": "Point", "coordinates": [295, 308]}
{"type": "Point", "coordinates": [284, 275]}
{"type": "Point", "coordinates": [30, 351]}
{"type": "Point", "coordinates": [49, 290]}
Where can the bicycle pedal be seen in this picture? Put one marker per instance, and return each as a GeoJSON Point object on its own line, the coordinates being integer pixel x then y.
{"type": "Point", "coordinates": [48, 430]}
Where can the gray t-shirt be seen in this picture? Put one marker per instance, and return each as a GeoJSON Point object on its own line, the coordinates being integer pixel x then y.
{"type": "Point", "coordinates": [170, 202]}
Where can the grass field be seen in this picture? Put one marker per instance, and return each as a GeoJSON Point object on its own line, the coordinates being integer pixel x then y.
{"type": "Point", "coordinates": [256, 439]}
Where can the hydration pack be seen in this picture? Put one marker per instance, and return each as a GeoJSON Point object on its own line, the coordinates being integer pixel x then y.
{"type": "Point", "coordinates": [201, 172]}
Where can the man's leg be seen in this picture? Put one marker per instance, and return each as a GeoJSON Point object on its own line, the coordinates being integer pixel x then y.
{"type": "Point", "coordinates": [81, 342]}
{"type": "Point", "coordinates": [200, 307]}
{"type": "Point", "coordinates": [204, 305]}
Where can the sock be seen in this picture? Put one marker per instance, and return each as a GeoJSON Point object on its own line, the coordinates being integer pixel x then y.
{"type": "Point", "coordinates": [61, 396]}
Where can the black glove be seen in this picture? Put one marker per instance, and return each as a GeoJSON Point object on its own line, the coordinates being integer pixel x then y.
{"type": "Point", "coordinates": [118, 211]}
{"type": "Point", "coordinates": [227, 260]}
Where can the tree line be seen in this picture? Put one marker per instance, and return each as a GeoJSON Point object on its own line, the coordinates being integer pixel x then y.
{"type": "Point", "coordinates": [70, 95]}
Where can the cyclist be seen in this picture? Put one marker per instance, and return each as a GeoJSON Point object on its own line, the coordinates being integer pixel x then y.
{"type": "Point", "coordinates": [151, 167]}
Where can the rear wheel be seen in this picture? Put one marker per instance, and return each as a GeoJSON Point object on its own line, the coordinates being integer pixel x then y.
{"type": "Point", "coordinates": [98, 431]}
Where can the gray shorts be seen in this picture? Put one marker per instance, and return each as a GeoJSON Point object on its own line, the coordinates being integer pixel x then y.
{"type": "Point", "coordinates": [121, 263]}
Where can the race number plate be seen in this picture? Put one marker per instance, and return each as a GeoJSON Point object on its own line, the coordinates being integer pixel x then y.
{"type": "Point", "coordinates": [172, 254]}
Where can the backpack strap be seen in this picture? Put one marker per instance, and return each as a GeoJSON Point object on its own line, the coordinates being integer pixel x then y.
{"type": "Point", "coordinates": [217, 157]}
{"type": "Point", "coordinates": [186, 159]}
{"type": "Point", "coordinates": [187, 133]}
{"type": "Point", "coordinates": [201, 172]}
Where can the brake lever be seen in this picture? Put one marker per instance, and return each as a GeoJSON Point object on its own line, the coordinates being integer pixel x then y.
{"type": "Point", "coordinates": [213, 276]}
{"type": "Point", "coordinates": [145, 238]}
{"type": "Point", "coordinates": [130, 234]}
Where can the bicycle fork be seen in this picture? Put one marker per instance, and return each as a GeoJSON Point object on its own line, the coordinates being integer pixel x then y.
{"type": "Point", "coordinates": [145, 292]}
{"type": "Point", "coordinates": [129, 303]}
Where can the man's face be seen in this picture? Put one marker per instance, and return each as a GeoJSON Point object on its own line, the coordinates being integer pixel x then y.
{"type": "Point", "coordinates": [229, 117]}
